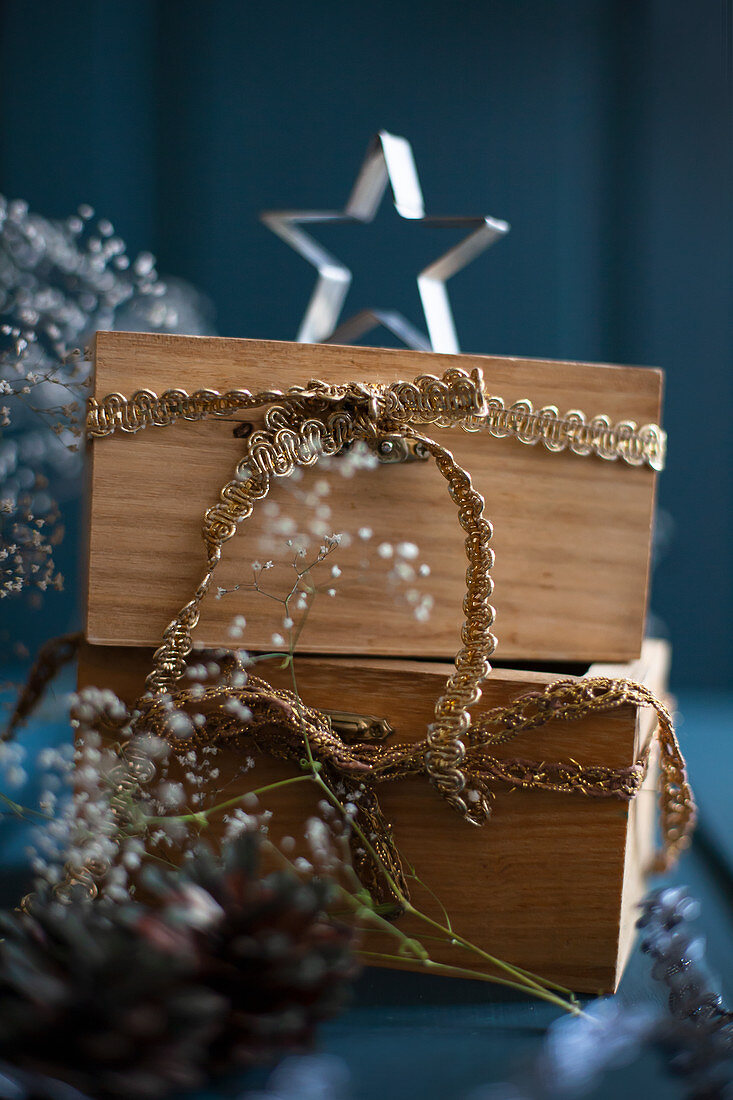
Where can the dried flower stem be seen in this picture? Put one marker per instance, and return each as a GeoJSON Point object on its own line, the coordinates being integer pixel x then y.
{"type": "Point", "coordinates": [202, 816]}
{"type": "Point", "coordinates": [361, 905]}
{"type": "Point", "coordinates": [533, 982]}
{"type": "Point", "coordinates": [359, 900]}
{"type": "Point", "coordinates": [17, 810]}
{"type": "Point", "coordinates": [467, 972]}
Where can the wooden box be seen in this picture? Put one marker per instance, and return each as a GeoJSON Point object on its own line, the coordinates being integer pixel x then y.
{"type": "Point", "coordinates": [571, 534]}
{"type": "Point", "coordinates": [550, 884]}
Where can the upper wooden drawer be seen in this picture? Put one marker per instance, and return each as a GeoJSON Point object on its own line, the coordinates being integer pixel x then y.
{"type": "Point", "coordinates": [571, 533]}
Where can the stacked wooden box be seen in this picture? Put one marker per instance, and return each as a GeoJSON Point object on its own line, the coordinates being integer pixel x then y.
{"type": "Point", "coordinates": [550, 884]}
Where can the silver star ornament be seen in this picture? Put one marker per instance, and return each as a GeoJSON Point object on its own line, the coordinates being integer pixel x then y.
{"type": "Point", "coordinates": [389, 161]}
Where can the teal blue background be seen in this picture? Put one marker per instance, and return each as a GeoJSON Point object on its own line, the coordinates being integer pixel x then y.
{"type": "Point", "coordinates": [600, 129]}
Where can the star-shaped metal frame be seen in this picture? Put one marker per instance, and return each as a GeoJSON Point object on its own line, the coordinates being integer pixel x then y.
{"type": "Point", "coordinates": [389, 161]}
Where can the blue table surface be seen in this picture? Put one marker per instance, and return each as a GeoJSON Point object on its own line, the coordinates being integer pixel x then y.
{"type": "Point", "coordinates": [440, 1039]}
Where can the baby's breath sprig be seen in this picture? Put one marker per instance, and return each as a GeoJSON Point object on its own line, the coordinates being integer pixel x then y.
{"type": "Point", "coordinates": [119, 819]}
{"type": "Point", "coordinates": [297, 600]}
{"type": "Point", "coordinates": [60, 281]}
{"type": "Point", "coordinates": [339, 816]}
{"type": "Point", "coordinates": [309, 537]}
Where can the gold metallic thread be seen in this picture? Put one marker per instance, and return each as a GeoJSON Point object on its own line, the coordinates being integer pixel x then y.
{"type": "Point", "coordinates": [304, 423]}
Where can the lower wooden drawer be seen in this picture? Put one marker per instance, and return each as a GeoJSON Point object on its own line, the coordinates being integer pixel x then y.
{"type": "Point", "coordinates": [550, 884]}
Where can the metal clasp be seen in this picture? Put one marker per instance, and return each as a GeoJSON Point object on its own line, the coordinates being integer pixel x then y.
{"type": "Point", "coordinates": [359, 727]}
{"type": "Point", "coordinates": [399, 448]}
{"type": "Point", "coordinates": [389, 447]}
{"type": "Point", "coordinates": [393, 448]}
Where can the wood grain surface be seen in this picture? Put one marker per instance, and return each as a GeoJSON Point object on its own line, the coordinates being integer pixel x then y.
{"type": "Point", "coordinates": [571, 534]}
{"type": "Point", "coordinates": [550, 883]}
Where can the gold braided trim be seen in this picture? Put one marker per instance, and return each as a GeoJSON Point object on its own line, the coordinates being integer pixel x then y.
{"type": "Point", "coordinates": [280, 724]}
{"type": "Point", "coordinates": [596, 436]}
{"type": "Point", "coordinates": [304, 423]}
{"type": "Point", "coordinates": [427, 400]}
{"type": "Point", "coordinates": [321, 419]}
{"type": "Point", "coordinates": [237, 499]}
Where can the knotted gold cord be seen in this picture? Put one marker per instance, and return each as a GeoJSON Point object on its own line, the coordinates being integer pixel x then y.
{"type": "Point", "coordinates": [280, 723]}
{"type": "Point", "coordinates": [322, 419]}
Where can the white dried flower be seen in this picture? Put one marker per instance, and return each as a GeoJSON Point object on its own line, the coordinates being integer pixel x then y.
{"type": "Point", "coordinates": [180, 725]}
{"type": "Point", "coordinates": [171, 795]}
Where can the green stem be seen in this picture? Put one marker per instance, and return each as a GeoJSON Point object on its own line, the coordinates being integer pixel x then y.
{"type": "Point", "coordinates": [424, 961]}
{"type": "Point", "coordinates": [22, 811]}
{"type": "Point", "coordinates": [464, 972]}
{"type": "Point", "coordinates": [203, 815]}
{"type": "Point", "coordinates": [531, 982]}
{"type": "Point", "coordinates": [276, 655]}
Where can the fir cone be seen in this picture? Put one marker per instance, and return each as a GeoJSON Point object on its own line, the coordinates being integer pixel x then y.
{"type": "Point", "coordinates": [267, 949]}
{"type": "Point", "coordinates": [86, 999]}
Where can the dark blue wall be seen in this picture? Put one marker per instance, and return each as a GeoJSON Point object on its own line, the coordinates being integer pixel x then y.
{"type": "Point", "coordinates": [601, 130]}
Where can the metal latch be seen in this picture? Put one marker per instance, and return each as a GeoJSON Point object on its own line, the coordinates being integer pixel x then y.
{"type": "Point", "coordinates": [399, 448]}
{"type": "Point", "coordinates": [359, 727]}
{"type": "Point", "coordinates": [389, 449]}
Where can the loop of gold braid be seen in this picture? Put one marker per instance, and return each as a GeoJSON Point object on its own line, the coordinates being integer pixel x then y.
{"type": "Point", "coordinates": [296, 434]}
{"type": "Point", "coordinates": [571, 700]}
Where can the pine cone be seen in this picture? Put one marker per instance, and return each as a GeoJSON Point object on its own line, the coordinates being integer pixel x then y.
{"type": "Point", "coordinates": [88, 1000]}
{"type": "Point", "coordinates": [229, 969]}
{"type": "Point", "coordinates": [269, 951]}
